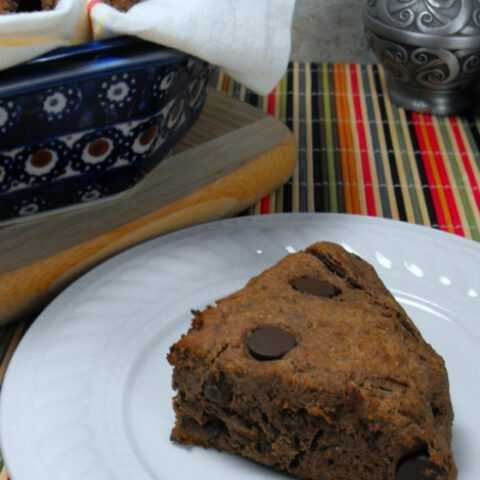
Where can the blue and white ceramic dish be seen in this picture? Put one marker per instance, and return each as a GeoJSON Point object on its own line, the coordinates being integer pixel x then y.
{"type": "Point", "coordinates": [86, 122]}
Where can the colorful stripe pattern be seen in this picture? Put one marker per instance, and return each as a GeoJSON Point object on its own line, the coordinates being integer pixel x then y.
{"type": "Point", "coordinates": [358, 153]}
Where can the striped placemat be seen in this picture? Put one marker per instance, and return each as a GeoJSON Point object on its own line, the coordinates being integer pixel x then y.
{"type": "Point", "coordinates": [358, 153]}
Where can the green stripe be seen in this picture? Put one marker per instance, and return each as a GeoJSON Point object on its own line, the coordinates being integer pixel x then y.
{"type": "Point", "coordinates": [283, 99]}
{"type": "Point", "coordinates": [322, 142]}
{"type": "Point", "coordinates": [340, 179]}
{"type": "Point", "coordinates": [459, 181]}
{"type": "Point", "coordinates": [230, 86]}
{"type": "Point", "coordinates": [376, 131]}
{"type": "Point", "coordinates": [412, 193]}
{"type": "Point", "coordinates": [327, 108]}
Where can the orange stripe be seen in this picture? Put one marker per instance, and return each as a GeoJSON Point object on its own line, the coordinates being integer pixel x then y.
{"type": "Point", "coordinates": [356, 164]}
{"type": "Point", "coordinates": [341, 136]}
{"type": "Point", "coordinates": [348, 143]}
{"type": "Point", "coordinates": [226, 79]}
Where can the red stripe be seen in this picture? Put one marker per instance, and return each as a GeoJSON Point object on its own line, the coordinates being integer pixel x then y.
{"type": "Point", "coordinates": [265, 206]}
{"type": "Point", "coordinates": [367, 175]}
{"type": "Point", "coordinates": [452, 206]}
{"type": "Point", "coordinates": [466, 161]}
{"type": "Point", "coordinates": [271, 103]}
{"type": "Point", "coordinates": [436, 201]}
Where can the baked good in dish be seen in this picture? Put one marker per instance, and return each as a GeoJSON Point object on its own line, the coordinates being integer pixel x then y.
{"type": "Point", "coordinates": [122, 5]}
{"type": "Point", "coordinates": [8, 6]}
{"type": "Point", "coordinates": [314, 369]}
{"type": "Point", "coordinates": [18, 6]}
{"type": "Point", "coordinates": [49, 4]}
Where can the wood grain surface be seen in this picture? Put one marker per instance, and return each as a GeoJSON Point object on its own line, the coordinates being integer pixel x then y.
{"type": "Point", "coordinates": [232, 157]}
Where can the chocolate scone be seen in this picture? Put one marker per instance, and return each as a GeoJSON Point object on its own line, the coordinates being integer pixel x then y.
{"type": "Point", "coordinates": [314, 369]}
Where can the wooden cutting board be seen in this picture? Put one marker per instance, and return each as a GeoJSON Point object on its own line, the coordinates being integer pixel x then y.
{"type": "Point", "coordinates": [232, 157]}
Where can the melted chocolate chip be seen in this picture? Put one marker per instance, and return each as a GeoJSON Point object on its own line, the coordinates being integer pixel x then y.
{"type": "Point", "coordinates": [214, 428]}
{"type": "Point", "coordinates": [419, 467]}
{"type": "Point", "coordinates": [217, 390]}
{"type": "Point", "coordinates": [270, 343]}
{"type": "Point", "coordinates": [314, 286]}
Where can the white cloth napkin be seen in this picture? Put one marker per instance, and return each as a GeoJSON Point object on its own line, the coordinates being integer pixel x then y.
{"type": "Point", "coordinates": [249, 39]}
{"type": "Point", "coordinates": [24, 36]}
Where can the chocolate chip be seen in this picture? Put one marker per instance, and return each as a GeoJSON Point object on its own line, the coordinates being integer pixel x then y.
{"type": "Point", "coordinates": [435, 410]}
{"type": "Point", "coordinates": [419, 467]}
{"type": "Point", "coordinates": [270, 343]}
{"type": "Point", "coordinates": [314, 286]}
{"type": "Point", "coordinates": [217, 390]}
{"type": "Point", "coordinates": [214, 428]}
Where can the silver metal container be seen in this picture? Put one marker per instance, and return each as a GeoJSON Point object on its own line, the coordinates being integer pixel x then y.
{"type": "Point", "coordinates": [430, 50]}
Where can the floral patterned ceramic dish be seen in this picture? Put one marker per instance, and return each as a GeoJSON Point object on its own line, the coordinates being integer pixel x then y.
{"type": "Point", "coordinates": [87, 122]}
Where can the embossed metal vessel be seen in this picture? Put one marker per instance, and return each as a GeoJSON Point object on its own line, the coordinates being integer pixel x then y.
{"type": "Point", "coordinates": [430, 50]}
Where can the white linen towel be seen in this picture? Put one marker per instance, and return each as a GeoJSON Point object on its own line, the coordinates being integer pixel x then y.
{"type": "Point", "coordinates": [249, 39]}
{"type": "Point", "coordinates": [26, 35]}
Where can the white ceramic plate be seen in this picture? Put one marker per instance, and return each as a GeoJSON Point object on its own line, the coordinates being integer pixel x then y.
{"type": "Point", "coordinates": [87, 394]}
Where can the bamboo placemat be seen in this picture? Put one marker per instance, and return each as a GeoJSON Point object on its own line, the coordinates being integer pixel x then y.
{"type": "Point", "coordinates": [360, 154]}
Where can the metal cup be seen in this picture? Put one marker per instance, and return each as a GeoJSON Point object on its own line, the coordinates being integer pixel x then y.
{"type": "Point", "coordinates": [430, 50]}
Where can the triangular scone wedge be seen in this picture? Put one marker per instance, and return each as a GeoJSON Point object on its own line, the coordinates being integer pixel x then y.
{"type": "Point", "coordinates": [314, 369]}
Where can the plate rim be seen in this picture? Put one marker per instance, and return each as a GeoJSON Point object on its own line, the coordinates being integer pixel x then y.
{"type": "Point", "coordinates": [189, 231]}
